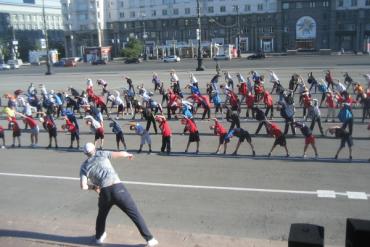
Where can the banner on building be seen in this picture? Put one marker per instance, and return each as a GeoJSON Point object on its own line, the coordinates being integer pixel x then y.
{"type": "Point", "coordinates": [306, 28]}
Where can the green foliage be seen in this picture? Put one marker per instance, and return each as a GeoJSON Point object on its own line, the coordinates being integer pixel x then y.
{"type": "Point", "coordinates": [133, 49]}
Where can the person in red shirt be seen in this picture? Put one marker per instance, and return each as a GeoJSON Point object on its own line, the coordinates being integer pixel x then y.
{"type": "Point", "coordinates": [50, 126]}
{"type": "Point", "coordinates": [329, 79]}
{"type": "Point", "coordinates": [267, 100]}
{"type": "Point", "coordinates": [243, 90]}
{"type": "Point", "coordinates": [306, 99]}
{"type": "Point", "coordinates": [99, 102]}
{"type": "Point", "coordinates": [220, 131]}
{"type": "Point", "coordinates": [172, 104]}
{"type": "Point", "coordinates": [274, 130]}
{"type": "Point", "coordinates": [16, 130]}
{"type": "Point", "coordinates": [332, 105]}
{"type": "Point", "coordinates": [71, 127]}
{"type": "Point", "coordinates": [193, 132]}
{"type": "Point", "coordinates": [249, 101]}
{"type": "Point", "coordinates": [166, 133]}
{"type": "Point", "coordinates": [34, 128]}
{"type": "Point", "coordinates": [2, 136]}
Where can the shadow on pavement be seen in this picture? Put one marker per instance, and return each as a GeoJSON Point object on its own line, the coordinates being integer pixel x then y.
{"type": "Point", "coordinates": [58, 239]}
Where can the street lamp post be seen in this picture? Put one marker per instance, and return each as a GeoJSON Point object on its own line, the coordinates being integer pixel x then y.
{"type": "Point", "coordinates": [145, 36]}
{"type": "Point", "coordinates": [199, 37]}
{"type": "Point", "coordinates": [48, 67]}
{"type": "Point", "coordinates": [238, 22]}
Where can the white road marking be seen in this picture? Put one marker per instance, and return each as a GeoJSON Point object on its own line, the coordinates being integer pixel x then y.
{"type": "Point", "coordinates": [357, 195]}
{"type": "Point", "coordinates": [326, 194]}
{"type": "Point", "coordinates": [332, 194]}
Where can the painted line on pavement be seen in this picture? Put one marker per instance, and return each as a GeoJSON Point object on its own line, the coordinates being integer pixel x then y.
{"type": "Point", "coordinates": [318, 193]}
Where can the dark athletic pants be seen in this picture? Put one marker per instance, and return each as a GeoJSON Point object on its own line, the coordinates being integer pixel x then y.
{"type": "Point", "coordinates": [118, 195]}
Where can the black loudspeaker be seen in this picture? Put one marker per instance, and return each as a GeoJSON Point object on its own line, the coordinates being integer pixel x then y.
{"type": "Point", "coordinates": [358, 233]}
{"type": "Point", "coordinates": [306, 235]}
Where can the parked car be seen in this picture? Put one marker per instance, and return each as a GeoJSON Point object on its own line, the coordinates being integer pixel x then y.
{"type": "Point", "coordinates": [256, 56]}
{"type": "Point", "coordinates": [134, 60]}
{"type": "Point", "coordinates": [222, 57]}
{"type": "Point", "coordinates": [4, 66]}
{"type": "Point", "coordinates": [14, 66]}
{"type": "Point", "coordinates": [174, 58]}
{"type": "Point", "coordinates": [59, 63]}
{"type": "Point", "coordinates": [99, 62]}
{"type": "Point", "coordinates": [70, 63]}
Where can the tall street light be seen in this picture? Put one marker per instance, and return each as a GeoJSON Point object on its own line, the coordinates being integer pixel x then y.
{"type": "Point", "coordinates": [199, 37]}
{"type": "Point", "coordinates": [238, 23]}
{"type": "Point", "coordinates": [48, 67]}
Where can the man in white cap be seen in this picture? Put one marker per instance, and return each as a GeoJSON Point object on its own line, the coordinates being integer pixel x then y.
{"type": "Point", "coordinates": [97, 173]}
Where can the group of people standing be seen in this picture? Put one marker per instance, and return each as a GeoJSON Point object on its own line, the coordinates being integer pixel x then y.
{"type": "Point", "coordinates": [177, 101]}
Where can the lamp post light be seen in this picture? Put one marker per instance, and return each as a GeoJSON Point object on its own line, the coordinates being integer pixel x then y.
{"type": "Point", "coordinates": [145, 36]}
{"type": "Point", "coordinates": [48, 67]}
{"type": "Point", "coordinates": [238, 22]}
{"type": "Point", "coordinates": [199, 37]}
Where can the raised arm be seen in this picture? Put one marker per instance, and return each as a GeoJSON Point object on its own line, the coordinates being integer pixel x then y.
{"type": "Point", "coordinates": [122, 154]}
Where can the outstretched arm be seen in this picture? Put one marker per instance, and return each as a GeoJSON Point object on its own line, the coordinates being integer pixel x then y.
{"type": "Point", "coordinates": [122, 154]}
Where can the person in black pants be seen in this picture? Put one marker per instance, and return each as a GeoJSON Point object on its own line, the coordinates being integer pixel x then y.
{"type": "Point", "coordinates": [97, 173]}
{"type": "Point", "coordinates": [345, 137]}
{"type": "Point", "coordinates": [149, 116]}
{"type": "Point", "coordinates": [232, 117]}
{"type": "Point", "coordinates": [261, 118]}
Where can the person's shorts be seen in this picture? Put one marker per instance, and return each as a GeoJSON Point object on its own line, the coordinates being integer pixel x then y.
{"type": "Point", "coordinates": [120, 137]}
{"type": "Point", "coordinates": [52, 132]}
{"type": "Point", "coordinates": [347, 139]}
{"type": "Point", "coordinates": [310, 139]}
{"type": "Point", "coordinates": [245, 136]}
{"type": "Point", "coordinates": [280, 141]}
{"type": "Point", "coordinates": [99, 134]}
{"type": "Point", "coordinates": [194, 137]}
{"type": "Point", "coordinates": [120, 108]}
{"type": "Point", "coordinates": [17, 133]}
{"type": "Point", "coordinates": [2, 134]}
{"type": "Point", "coordinates": [222, 139]}
{"type": "Point", "coordinates": [75, 136]}
{"type": "Point", "coordinates": [145, 138]}
{"type": "Point", "coordinates": [35, 130]}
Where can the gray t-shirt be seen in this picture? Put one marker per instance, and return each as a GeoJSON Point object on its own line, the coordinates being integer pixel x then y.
{"type": "Point", "coordinates": [99, 170]}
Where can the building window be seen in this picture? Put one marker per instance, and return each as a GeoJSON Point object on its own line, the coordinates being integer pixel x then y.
{"type": "Point", "coordinates": [299, 5]}
{"type": "Point", "coordinates": [235, 8]}
{"type": "Point", "coordinates": [187, 11]}
{"type": "Point", "coordinates": [260, 7]}
{"type": "Point", "coordinates": [132, 14]}
{"type": "Point", "coordinates": [326, 3]}
{"type": "Point", "coordinates": [285, 5]}
{"type": "Point", "coordinates": [223, 9]}
{"type": "Point", "coordinates": [122, 15]}
{"type": "Point", "coordinates": [340, 3]}
{"type": "Point", "coordinates": [353, 3]}
{"type": "Point", "coordinates": [210, 9]}
{"type": "Point", "coordinates": [176, 11]}
{"type": "Point", "coordinates": [247, 8]}
{"type": "Point", "coordinates": [154, 12]}
{"type": "Point", "coordinates": [164, 11]}
{"type": "Point", "coordinates": [312, 4]}
{"type": "Point", "coordinates": [367, 3]}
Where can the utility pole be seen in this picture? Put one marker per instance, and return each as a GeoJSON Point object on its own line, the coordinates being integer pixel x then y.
{"type": "Point", "coordinates": [238, 22]}
{"type": "Point", "coordinates": [48, 67]}
{"type": "Point", "coordinates": [199, 37]}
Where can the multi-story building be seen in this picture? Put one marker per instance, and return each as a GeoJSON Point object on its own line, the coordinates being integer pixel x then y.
{"type": "Point", "coordinates": [251, 25]}
{"type": "Point", "coordinates": [22, 20]}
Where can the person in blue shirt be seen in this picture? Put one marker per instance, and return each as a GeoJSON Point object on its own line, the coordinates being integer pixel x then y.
{"type": "Point", "coordinates": [116, 129]}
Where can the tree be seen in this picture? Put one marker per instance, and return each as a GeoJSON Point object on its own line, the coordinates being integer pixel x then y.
{"type": "Point", "coordinates": [133, 49]}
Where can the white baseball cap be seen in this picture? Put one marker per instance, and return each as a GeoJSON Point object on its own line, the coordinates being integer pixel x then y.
{"type": "Point", "coordinates": [89, 148]}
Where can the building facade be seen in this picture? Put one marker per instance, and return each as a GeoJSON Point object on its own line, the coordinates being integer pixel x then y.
{"type": "Point", "coordinates": [250, 25]}
{"type": "Point", "coordinates": [22, 20]}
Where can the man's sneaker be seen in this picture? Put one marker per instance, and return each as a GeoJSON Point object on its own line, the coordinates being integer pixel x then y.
{"type": "Point", "coordinates": [269, 155]}
{"type": "Point", "coordinates": [102, 238]}
{"type": "Point", "coordinates": [336, 157]}
{"type": "Point", "coordinates": [287, 155]}
{"type": "Point", "coordinates": [254, 153]}
{"type": "Point", "coordinates": [304, 156]}
{"type": "Point", "coordinates": [316, 156]}
{"type": "Point", "coordinates": [2, 147]}
{"type": "Point", "coordinates": [152, 242]}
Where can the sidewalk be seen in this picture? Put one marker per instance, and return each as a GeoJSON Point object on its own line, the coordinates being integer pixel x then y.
{"type": "Point", "coordinates": [44, 233]}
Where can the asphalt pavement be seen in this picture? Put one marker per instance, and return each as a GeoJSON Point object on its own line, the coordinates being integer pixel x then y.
{"type": "Point", "coordinates": [186, 199]}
